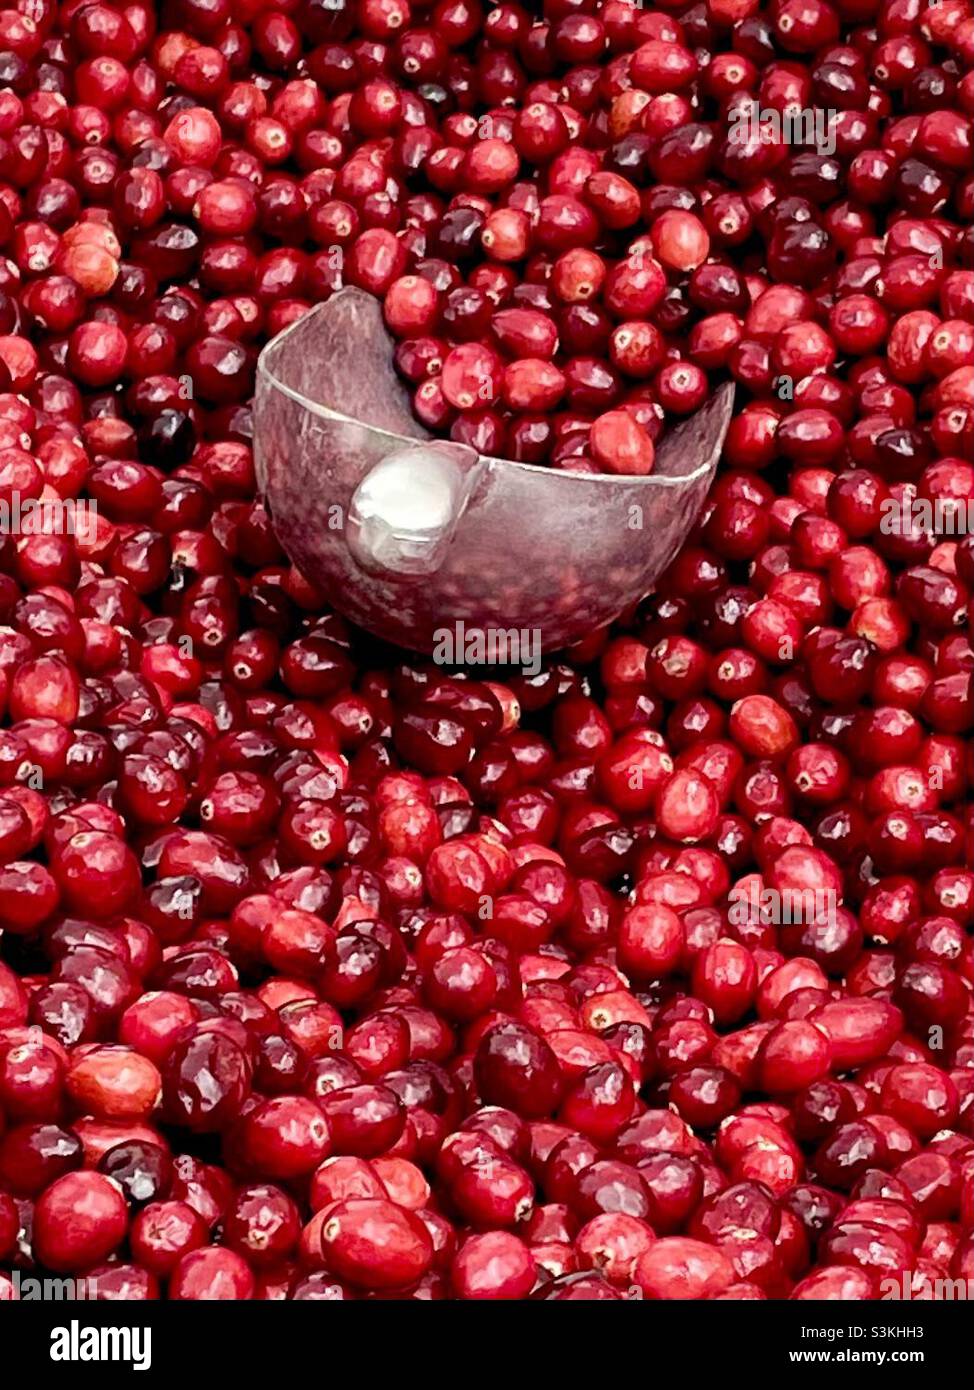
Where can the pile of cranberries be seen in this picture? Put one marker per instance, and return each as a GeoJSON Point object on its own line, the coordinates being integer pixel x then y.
{"type": "Point", "coordinates": [327, 974]}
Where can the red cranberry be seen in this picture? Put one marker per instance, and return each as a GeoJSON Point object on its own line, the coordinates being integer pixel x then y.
{"type": "Point", "coordinates": [80, 1219]}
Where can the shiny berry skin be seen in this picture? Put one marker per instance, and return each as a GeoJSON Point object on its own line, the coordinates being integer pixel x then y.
{"type": "Point", "coordinates": [678, 1267]}
{"type": "Point", "coordinates": [493, 1265]}
{"type": "Point", "coordinates": [517, 1068]}
{"type": "Point", "coordinates": [97, 873]}
{"type": "Point", "coordinates": [375, 1245]}
{"type": "Point", "coordinates": [211, 1272]}
{"type": "Point", "coordinates": [285, 1137]}
{"type": "Point", "coordinates": [80, 1219]}
{"type": "Point", "coordinates": [205, 1080]}
{"type": "Point", "coordinates": [165, 1231]}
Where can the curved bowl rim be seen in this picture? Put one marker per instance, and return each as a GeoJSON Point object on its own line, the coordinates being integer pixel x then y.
{"type": "Point", "coordinates": [551, 475]}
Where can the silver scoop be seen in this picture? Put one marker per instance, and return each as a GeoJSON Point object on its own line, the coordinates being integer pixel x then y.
{"type": "Point", "coordinates": [409, 536]}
